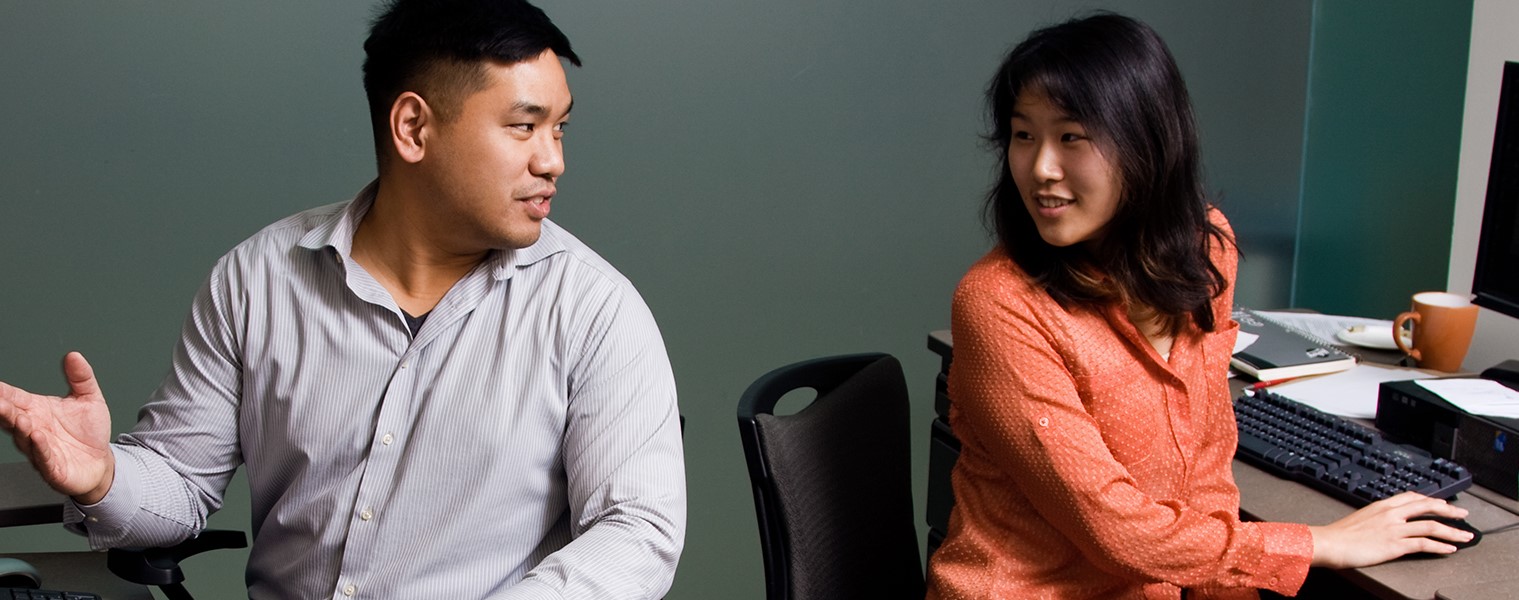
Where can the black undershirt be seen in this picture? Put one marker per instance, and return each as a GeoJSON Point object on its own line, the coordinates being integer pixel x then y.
{"type": "Point", "coordinates": [415, 323]}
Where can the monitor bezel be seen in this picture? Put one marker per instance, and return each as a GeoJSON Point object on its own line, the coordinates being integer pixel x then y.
{"type": "Point", "coordinates": [1500, 218]}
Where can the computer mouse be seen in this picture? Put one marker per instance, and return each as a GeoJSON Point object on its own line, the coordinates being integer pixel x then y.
{"type": "Point", "coordinates": [16, 573]}
{"type": "Point", "coordinates": [1458, 524]}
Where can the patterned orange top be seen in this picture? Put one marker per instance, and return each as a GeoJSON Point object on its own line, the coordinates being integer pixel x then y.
{"type": "Point", "coordinates": [1091, 466]}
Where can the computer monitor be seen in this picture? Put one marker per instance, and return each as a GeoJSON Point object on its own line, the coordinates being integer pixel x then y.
{"type": "Point", "coordinates": [1495, 283]}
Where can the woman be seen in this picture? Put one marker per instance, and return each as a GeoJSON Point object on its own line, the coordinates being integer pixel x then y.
{"type": "Point", "coordinates": [1091, 349]}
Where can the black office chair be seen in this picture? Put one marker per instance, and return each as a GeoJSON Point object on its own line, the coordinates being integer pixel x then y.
{"type": "Point", "coordinates": [160, 566]}
{"type": "Point", "coordinates": [832, 482]}
{"type": "Point", "coordinates": [26, 500]}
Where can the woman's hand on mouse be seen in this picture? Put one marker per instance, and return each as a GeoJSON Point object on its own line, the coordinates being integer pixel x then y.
{"type": "Point", "coordinates": [1382, 531]}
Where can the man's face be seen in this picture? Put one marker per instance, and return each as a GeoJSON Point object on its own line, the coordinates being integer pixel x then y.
{"type": "Point", "coordinates": [493, 166]}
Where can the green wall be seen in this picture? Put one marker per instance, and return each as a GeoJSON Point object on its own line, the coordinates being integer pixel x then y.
{"type": "Point", "coordinates": [1386, 91]}
{"type": "Point", "coordinates": [781, 180]}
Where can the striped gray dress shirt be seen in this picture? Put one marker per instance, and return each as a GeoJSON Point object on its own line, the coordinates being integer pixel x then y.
{"type": "Point", "coordinates": [524, 444]}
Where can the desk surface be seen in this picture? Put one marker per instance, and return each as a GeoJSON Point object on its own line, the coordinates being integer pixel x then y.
{"type": "Point", "coordinates": [82, 572]}
{"type": "Point", "coordinates": [1494, 563]}
{"type": "Point", "coordinates": [25, 499]}
{"type": "Point", "coordinates": [1489, 570]}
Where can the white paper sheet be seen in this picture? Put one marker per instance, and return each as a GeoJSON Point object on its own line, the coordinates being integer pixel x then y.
{"type": "Point", "coordinates": [1477, 396]}
{"type": "Point", "coordinates": [1323, 327]}
{"type": "Point", "coordinates": [1348, 393]}
{"type": "Point", "coordinates": [1243, 340]}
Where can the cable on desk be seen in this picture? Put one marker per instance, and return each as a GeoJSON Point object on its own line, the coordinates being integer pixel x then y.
{"type": "Point", "coordinates": [1501, 529]}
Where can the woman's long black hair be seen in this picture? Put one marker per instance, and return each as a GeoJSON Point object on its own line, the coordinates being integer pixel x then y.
{"type": "Point", "coordinates": [1116, 77]}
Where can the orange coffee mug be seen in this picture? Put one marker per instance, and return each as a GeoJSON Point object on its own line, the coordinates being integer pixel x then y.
{"type": "Point", "coordinates": [1442, 330]}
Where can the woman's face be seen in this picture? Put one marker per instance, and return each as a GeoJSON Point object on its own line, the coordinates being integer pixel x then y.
{"type": "Point", "coordinates": [1069, 188]}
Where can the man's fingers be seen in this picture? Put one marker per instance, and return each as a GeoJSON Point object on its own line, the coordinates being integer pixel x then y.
{"type": "Point", "coordinates": [12, 402]}
{"type": "Point", "coordinates": [80, 375]}
{"type": "Point", "coordinates": [8, 410]}
{"type": "Point", "coordinates": [36, 448]}
{"type": "Point", "coordinates": [22, 437]}
{"type": "Point", "coordinates": [44, 457]}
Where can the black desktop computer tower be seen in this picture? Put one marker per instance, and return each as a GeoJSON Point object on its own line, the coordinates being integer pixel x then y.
{"type": "Point", "coordinates": [1487, 446]}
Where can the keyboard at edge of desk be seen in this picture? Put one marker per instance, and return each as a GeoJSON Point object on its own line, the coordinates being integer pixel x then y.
{"type": "Point", "coordinates": [1335, 456]}
{"type": "Point", "coordinates": [27, 594]}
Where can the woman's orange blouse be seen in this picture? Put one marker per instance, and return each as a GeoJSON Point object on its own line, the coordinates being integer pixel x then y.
{"type": "Point", "coordinates": [1091, 466]}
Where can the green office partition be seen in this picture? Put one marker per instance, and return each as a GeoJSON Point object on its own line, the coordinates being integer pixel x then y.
{"type": "Point", "coordinates": [781, 180]}
{"type": "Point", "coordinates": [1386, 91]}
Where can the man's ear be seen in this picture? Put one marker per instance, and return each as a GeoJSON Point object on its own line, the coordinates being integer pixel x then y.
{"type": "Point", "coordinates": [411, 121]}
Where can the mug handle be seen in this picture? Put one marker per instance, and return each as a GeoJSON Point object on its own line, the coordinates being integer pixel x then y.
{"type": "Point", "coordinates": [1397, 333]}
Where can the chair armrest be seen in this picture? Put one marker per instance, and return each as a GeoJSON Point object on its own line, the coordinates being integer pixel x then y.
{"type": "Point", "coordinates": [160, 566]}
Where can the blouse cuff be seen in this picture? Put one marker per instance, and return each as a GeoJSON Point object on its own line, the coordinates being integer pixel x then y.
{"type": "Point", "coordinates": [1285, 557]}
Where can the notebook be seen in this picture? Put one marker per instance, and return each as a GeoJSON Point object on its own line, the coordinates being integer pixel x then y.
{"type": "Point", "coordinates": [1282, 352]}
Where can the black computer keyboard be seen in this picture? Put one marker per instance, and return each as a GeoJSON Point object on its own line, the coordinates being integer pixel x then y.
{"type": "Point", "coordinates": [25, 594]}
{"type": "Point", "coordinates": [1335, 456]}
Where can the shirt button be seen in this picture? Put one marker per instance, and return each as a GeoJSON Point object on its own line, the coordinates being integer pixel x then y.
{"type": "Point", "coordinates": [1044, 421]}
{"type": "Point", "coordinates": [349, 590]}
{"type": "Point", "coordinates": [94, 519]}
{"type": "Point", "coordinates": [387, 439]}
{"type": "Point", "coordinates": [366, 515]}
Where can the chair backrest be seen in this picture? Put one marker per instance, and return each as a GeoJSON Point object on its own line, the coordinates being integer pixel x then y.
{"type": "Point", "coordinates": [833, 482]}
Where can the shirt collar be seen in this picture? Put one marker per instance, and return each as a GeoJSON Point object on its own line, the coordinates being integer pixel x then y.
{"type": "Point", "coordinates": [336, 231]}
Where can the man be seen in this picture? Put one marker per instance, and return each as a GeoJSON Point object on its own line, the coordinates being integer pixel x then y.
{"type": "Point", "coordinates": [437, 392]}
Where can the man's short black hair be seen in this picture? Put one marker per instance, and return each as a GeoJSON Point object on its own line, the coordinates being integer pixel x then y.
{"type": "Point", "coordinates": [439, 48]}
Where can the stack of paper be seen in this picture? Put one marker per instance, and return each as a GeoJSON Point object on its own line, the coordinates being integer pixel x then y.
{"type": "Point", "coordinates": [1349, 393]}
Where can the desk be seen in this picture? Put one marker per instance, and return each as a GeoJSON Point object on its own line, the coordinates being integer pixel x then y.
{"type": "Point", "coordinates": [26, 500]}
{"type": "Point", "coordinates": [1489, 570]}
{"type": "Point", "coordinates": [82, 572]}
